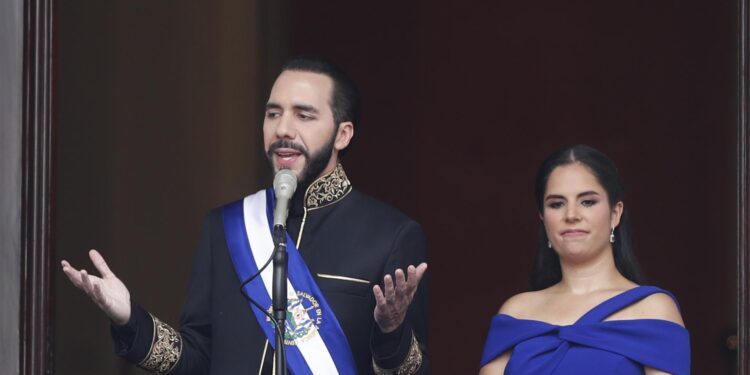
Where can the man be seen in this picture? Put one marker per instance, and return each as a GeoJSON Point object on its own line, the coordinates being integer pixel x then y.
{"type": "Point", "coordinates": [343, 244]}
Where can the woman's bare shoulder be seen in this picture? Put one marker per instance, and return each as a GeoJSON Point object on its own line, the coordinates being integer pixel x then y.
{"type": "Point", "coordinates": [656, 306]}
{"type": "Point", "coordinates": [520, 304]}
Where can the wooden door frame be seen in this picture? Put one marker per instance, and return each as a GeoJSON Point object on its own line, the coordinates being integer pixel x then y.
{"type": "Point", "coordinates": [743, 184]}
{"type": "Point", "coordinates": [37, 190]}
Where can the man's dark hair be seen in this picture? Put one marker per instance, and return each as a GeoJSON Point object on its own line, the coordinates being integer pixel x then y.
{"type": "Point", "coordinates": [345, 101]}
{"type": "Point", "coordinates": [547, 270]}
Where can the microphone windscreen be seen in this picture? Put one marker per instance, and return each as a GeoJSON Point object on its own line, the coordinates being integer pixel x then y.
{"type": "Point", "coordinates": [284, 184]}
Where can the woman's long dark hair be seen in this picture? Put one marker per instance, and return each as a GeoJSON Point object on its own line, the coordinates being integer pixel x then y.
{"type": "Point", "coordinates": [547, 270]}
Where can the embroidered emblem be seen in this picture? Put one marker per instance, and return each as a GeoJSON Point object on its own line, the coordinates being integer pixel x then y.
{"type": "Point", "coordinates": [165, 351]}
{"type": "Point", "coordinates": [303, 317]}
{"type": "Point", "coordinates": [410, 365]}
{"type": "Point", "coordinates": [328, 189]}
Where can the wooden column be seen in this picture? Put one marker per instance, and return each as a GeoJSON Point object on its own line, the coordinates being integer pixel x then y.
{"type": "Point", "coordinates": [743, 208]}
{"type": "Point", "coordinates": [36, 189]}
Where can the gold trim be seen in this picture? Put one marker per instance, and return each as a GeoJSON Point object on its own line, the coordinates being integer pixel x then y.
{"type": "Point", "coordinates": [301, 229]}
{"type": "Point", "coordinates": [263, 358]}
{"type": "Point", "coordinates": [337, 277]}
{"type": "Point", "coordinates": [328, 189]}
{"type": "Point", "coordinates": [165, 351]}
{"type": "Point", "coordinates": [324, 191]}
{"type": "Point", "coordinates": [409, 366]}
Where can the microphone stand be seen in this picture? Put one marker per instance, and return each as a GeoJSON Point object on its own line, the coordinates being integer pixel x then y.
{"type": "Point", "coordinates": [278, 292]}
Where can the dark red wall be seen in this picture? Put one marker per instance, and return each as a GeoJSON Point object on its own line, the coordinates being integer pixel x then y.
{"type": "Point", "coordinates": [462, 102]}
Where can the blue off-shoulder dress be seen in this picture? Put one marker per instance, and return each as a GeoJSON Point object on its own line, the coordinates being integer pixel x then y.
{"type": "Point", "coordinates": [591, 345]}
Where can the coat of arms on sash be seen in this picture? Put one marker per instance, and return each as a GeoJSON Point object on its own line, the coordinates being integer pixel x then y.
{"type": "Point", "coordinates": [303, 317]}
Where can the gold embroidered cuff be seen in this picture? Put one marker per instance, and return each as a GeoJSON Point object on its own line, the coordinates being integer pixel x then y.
{"type": "Point", "coordinates": [409, 366]}
{"type": "Point", "coordinates": [165, 351]}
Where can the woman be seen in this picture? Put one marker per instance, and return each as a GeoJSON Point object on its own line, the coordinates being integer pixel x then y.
{"type": "Point", "coordinates": [587, 313]}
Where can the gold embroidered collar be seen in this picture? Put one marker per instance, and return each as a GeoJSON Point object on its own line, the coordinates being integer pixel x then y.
{"type": "Point", "coordinates": [328, 189]}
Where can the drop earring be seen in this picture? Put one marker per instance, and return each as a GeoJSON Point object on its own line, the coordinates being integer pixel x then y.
{"type": "Point", "coordinates": [612, 236]}
{"type": "Point", "coordinates": [549, 244]}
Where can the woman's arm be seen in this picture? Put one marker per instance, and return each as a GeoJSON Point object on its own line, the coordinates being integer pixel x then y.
{"type": "Point", "coordinates": [515, 306]}
{"type": "Point", "coordinates": [656, 306]}
{"type": "Point", "coordinates": [497, 366]}
{"type": "Point", "coordinates": [650, 371]}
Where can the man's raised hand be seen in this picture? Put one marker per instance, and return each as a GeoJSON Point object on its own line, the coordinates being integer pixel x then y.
{"type": "Point", "coordinates": [392, 303]}
{"type": "Point", "coordinates": [107, 291]}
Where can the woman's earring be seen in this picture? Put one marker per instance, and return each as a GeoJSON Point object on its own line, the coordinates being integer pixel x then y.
{"type": "Point", "coordinates": [549, 244]}
{"type": "Point", "coordinates": [612, 236]}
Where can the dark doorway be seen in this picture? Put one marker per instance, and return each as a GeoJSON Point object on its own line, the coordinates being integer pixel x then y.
{"type": "Point", "coordinates": [463, 101]}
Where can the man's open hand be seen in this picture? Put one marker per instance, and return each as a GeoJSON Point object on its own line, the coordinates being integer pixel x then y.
{"type": "Point", "coordinates": [392, 304]}
{"type": "Point", "coordinates": [107, 291]}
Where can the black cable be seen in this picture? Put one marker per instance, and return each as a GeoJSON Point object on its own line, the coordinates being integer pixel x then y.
{"type": "Point", "coordinates": [256, 304]}
{"type": "Point", "coordinates": [249, 279]}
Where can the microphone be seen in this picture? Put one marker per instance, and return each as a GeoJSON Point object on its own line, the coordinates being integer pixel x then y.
{"type": "Point", "coordinates": [284, 185]}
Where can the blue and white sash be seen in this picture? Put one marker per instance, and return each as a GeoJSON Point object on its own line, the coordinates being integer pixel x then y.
{"type": "Point", "coordinates": [314, 340]}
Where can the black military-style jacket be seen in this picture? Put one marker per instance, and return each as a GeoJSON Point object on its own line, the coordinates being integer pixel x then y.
{"type": "Point", "coordinates": [349, 241]}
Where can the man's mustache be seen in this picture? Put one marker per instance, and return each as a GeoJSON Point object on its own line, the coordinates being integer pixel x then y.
{"type": "Point", "coordinates": [285, 143]}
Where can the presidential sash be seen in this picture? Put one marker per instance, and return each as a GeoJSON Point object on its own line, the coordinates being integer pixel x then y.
{"type": "Point", "coordinates": [314, 340]}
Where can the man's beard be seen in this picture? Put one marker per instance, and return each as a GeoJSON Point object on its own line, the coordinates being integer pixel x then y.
{"type": "Point", "coordinates": [315, 163]}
